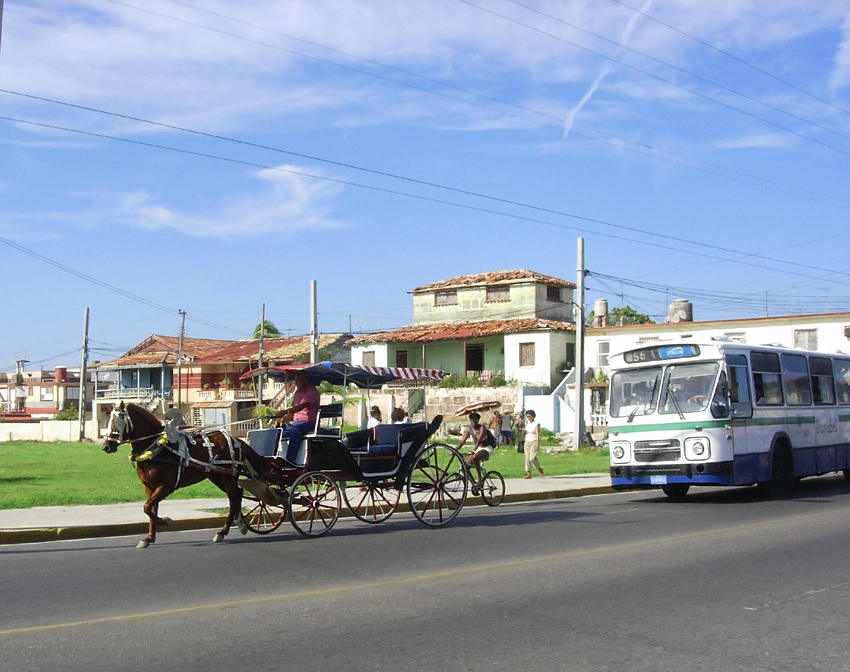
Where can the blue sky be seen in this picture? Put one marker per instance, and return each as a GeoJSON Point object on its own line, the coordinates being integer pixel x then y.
{"type": "Point", "coordinates": [214, 156]}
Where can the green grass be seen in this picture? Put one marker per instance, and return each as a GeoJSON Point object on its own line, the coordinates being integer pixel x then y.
{"type": "Point", "coordinates": [63, 473]}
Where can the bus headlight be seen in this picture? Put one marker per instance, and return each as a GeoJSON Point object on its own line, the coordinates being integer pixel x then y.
{"type": "Point", "coordinates": [697, 449]}
{"type": "Point", "coordinates": [620, 452]}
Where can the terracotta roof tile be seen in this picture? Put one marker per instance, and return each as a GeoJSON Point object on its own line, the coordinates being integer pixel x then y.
{"type": "Point", "coordinates": [494, 277]}
{"type": "Point", "coordinates": [457, 330]}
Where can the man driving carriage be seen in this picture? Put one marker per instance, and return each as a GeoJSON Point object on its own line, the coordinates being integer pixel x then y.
{"type": "Point", "coordinates": [303, 412]}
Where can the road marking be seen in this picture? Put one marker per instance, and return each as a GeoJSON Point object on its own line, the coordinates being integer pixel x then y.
{"type": "Point", "coordinates": [419, 578]}
{"type": "Point", "coordinates": [801, 596]}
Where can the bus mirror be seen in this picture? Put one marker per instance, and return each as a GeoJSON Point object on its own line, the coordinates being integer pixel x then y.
{"type": "Point", "coordinates": [719, 408]}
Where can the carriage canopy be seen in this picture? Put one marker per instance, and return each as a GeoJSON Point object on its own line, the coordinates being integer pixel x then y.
{"type": "Point", "coordinates": [339, 373]}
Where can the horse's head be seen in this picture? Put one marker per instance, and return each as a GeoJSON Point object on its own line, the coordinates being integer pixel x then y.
{"type": "Point", "coordinates": [118, 429]}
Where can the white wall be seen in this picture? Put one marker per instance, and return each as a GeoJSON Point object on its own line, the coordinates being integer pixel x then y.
{"type": "Point", "coordinates": [47, 430]}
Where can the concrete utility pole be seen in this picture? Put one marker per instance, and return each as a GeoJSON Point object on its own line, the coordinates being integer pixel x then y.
{"type": "Point", "coordinates": [314, 325]}
{"type": "Point", "coordinates": [81, 412]}
{"type": "Point", "coordinates": [579, 317]}
{"type": "Point", "coordinates": [1, 22]}
{"type": "Point", "coordinates": [262, 379]}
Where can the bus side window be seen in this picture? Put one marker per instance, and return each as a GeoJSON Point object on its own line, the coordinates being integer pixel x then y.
{"type": "Point", "coordinates": [766, 378]}
{"type": "Point", "coordinates": [739, 386]}
{"type": "Point", "coordinates": [841, 372]}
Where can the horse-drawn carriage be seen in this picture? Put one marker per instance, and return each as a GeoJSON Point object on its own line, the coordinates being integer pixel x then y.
{"type": "Point", "coordinates": [367, 470]}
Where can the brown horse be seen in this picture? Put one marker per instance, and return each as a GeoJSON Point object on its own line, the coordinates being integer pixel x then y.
{"type": "Point", "coordinates": [167, 459]}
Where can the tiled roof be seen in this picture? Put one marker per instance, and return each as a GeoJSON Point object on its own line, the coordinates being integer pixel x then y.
{"type": "Point", "coordinates": [459, 330]}
{"type": "Point", "coordinates": [281, 350]}
{"type": "Point", "coordinates": [157, 349]}
{"type": "Point", "coordinates": [492, 278]}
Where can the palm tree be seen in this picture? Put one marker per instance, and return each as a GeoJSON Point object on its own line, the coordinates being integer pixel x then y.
{"type": "Point", "coordinates": [268, 330]}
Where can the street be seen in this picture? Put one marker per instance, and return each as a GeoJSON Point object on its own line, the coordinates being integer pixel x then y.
{"type": "Point", "coordinates": [629, 581]}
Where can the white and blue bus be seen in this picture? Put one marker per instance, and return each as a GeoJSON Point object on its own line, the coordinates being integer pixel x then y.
{"type": "Point", "coordinates": [723, 413]}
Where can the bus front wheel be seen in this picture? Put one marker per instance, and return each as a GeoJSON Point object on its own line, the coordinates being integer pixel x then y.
{"type": "Point", "coordinates": [781, 478]}
{"type": "Point", "coordinates": [676, 491]}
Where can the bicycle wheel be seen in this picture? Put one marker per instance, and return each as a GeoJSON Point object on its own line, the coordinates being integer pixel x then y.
{"type": "Point", "coordinates": [493, 490]}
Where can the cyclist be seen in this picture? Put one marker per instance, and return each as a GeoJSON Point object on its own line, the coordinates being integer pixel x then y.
{"type": "Point", "coordinates": [483, 443]}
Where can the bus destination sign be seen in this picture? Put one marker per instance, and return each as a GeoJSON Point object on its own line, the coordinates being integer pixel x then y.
{"type": "Point", "coordinates": [660, 353]}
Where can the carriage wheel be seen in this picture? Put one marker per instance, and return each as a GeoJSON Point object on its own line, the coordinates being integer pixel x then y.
{"type": "Point", "coordinates": [371, 502]}
{"type": "Point", "coordinates": [493, 490]}
{"type": "Point", "coordinates": [263, 515]}
{"type": "Point", "coordinates": [436, 487]}
{"type": "Point", "coordinates": [314, 503]}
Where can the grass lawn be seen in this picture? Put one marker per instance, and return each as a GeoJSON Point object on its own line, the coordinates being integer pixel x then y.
{"type": "Point", "coordinates": [66, 473]}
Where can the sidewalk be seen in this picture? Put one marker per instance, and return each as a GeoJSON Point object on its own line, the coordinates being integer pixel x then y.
{"type": "Point", "coordinates": [51, 523]}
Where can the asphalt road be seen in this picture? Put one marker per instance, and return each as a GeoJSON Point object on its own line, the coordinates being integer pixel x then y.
{"type": "Point", "coordinates": [629, 581]}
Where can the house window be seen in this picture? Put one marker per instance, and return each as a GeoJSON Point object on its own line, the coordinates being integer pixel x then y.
{"type": "Point", "coordinates": [499, 293]}
{"type": "Point", "coordinates": [736, 336]}
{"type": "Point", "coordinates": [526, 354]}
{"type": "Point", "coordinates": [445, 297]}
{"type": "Point", "coordinates": [553, 293]}
{"type": "Point", "coordinates": [47, 394]}
{"type": "Point", "coordinates": [604, 349]}
{"type": "Point", "coordinates": [807, 339]}
{"type": "Point", "coordinates": [401, 358]}
{"type": "Point", "coordinates": [369, 358]}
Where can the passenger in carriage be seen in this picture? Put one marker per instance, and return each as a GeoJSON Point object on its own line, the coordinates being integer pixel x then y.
{"type": "Point", "coordinates": [399, 417]}
{"type": "Point", "coordinates": [375, 418]}
{"type": "Point", "coordinates": [303, 412]}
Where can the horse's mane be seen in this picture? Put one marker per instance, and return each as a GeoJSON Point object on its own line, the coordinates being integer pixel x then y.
{"type": "Point", "coordinates": [140, 414]}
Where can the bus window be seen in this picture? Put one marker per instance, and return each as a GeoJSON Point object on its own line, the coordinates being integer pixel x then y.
{"type": "Point", "coordinates": [739, 386]}
{"type": "Point", "coordinates": [841, 371]}
{"type": "Point", "coordinates": [823, 389]}
{"type": "Point", "coordinates": [634, 392]}
{"type": "Point", "coordinates": [766, 378]}
{"type": "Point", "coordinates": [795, 377]}
{"type": "Point", "coordinates": [688, 387]}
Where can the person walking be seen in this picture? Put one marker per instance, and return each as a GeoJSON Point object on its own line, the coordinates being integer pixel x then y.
{"type": "Point", "coordinates": [532, 444]}
{"type": "Point", "coordinates": [519, 431]}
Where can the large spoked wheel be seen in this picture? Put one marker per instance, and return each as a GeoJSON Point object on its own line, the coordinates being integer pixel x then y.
{"type": "Point", "coordinates": [314, 502]}
{"type": "Point", "coordinates": [493, 488]}
{"type": "Point", "coordinates": [436, 488]}
{"type": "Point", "coordinates": [263, 506]}
{"type": "Point", "coordinates": [371, 502]}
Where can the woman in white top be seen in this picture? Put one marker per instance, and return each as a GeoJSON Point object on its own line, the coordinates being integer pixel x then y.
{"type": "Point", "coordinates": [374, 417]}
{"type": "Point", "coordinates": [532, 443]}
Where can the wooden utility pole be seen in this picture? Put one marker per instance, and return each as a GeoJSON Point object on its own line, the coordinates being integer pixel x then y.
{"type": "Point", "coordinates": [314, 325]}
{"type": "Point", "coordinates": [81, 412]}
{"type": "Point", "coordinates": [180, 360]}
{"type": "Point", "coordinates": [579, 315]}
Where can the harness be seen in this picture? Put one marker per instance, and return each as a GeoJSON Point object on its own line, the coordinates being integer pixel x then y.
{"type": "Point", "coordinates": [177, 442]}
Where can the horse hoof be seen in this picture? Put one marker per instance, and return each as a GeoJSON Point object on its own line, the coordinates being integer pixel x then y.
{"type": "Point", "coordinates": [167, 521]}
{"type": "Point", "coordinates": [218, 537]}
{"type": "Point", "coordinates": [243, 528]}
{"type": "Point", "coordinates": [144, 543]}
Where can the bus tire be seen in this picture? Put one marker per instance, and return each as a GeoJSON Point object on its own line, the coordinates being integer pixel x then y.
{"type": "Point", "coordinates": [781, 477]}
{"type": "Point", "coordinates": [676, 492]}
{"type": "Point", "coordinates": [846, 473]}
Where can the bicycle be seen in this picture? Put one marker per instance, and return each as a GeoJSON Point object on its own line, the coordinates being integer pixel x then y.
{"type": "Point", "coordinates": [492, 490]}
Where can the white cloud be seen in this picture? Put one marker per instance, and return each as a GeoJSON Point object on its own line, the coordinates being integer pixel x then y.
{"type": "Point", "coordinates": [765, 140]}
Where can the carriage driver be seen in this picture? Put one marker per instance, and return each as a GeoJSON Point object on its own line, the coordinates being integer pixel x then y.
{"type": "Point", "coordinates": [483, 443]}
{"type": "Point", "coordinates": [303, 412]}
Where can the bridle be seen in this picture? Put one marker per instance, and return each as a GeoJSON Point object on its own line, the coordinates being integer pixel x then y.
{"type": "Point", "coordinates": [118, 429]}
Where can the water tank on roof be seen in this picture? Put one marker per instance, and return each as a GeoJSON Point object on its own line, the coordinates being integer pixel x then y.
{"type": "Point", "coordinates": [600, 313]}
{"type": "Point", "coordinates": [60, 374]}
{"type": "Point", "coordinates": [681, 310]}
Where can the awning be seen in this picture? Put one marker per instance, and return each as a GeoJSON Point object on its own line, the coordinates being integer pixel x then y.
{"type": "Point", "coordinates": [338, 373]}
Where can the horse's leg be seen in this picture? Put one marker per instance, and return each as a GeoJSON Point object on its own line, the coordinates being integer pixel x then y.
{"type": "Point", "coordinates": [155, 494]}
{"type": "Point", "coordinates": [230, 485]}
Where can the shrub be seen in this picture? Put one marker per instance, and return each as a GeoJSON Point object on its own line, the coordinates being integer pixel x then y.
{"type": "Point", "coordinates": [70, 413]}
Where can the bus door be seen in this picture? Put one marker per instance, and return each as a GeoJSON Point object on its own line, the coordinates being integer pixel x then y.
{"type": "Point", "coordinates": [746, 461]}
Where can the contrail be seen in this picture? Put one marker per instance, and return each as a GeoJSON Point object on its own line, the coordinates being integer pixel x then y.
{"type": "Point", "coordinates": [624, 40]}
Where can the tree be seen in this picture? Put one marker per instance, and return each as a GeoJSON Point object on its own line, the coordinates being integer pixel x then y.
{"type": "Point", "coordinates": [628, 315]}
{"type": "Point", "coordinates": [268, 330]}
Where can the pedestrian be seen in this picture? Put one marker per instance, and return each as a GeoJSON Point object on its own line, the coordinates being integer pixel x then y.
{"type": "Point", "coordinates": [496, 427]}
{"type": "Point", "coordinates": [519, 431]}
{"type": "Point", "coordinates": [532, 443]}
{"type": "Point", "coordinates": [507, 432]}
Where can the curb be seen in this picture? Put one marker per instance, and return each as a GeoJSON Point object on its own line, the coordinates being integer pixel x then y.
{"type": "Point", "coordinates": [44, 534]}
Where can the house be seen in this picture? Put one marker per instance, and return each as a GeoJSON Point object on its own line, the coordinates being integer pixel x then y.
{"type": "Point", "coordinates": [204, 382]}
{"type": "Point", "coordinates": [39, 394]}
{"type": "Point", "coordinates": [516, 324]}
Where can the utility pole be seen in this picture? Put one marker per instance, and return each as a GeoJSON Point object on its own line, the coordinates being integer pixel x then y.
{"type": "Point", "coordinates": [180, 359]}
{"type": "Point", "coordinates": [579, 317]}
{"type": "Point", "coordinates": [262, 379]}
{"type": "Point", "coordinates": [1, 21]}
{"type": "Point", "coordinates": [81, 412]}
{"type": "Point", "coordinates": [314, 325]}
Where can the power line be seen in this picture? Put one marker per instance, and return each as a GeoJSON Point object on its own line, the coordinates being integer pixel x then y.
{"type": "Point", "coordinates": [738, 258]}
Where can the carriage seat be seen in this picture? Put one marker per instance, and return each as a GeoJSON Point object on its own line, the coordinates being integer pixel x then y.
{"type": "Point", "coordinates": [384, 440]}
{"type": "Point", "coordinates": [271, 443]}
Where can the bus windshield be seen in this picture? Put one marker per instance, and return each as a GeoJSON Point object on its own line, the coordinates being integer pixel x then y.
{"type": "Point", "coordinates": [634, 392]}
{"type": "Point", "coordinates": [688, 387]}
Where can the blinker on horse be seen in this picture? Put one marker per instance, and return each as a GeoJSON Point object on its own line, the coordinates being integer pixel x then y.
{"type": "Point", "coordinates": [167, 459]}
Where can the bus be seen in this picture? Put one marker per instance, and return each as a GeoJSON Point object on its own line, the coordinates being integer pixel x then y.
{"type": "Point", "coordinates": [684, 413]}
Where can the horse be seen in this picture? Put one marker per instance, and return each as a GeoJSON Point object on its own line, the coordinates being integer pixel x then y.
{"type": "Point", "coordinates": [167, 459]}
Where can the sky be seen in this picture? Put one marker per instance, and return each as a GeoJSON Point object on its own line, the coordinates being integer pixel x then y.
{"type": "Point", "coordinates": [216, 157]}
